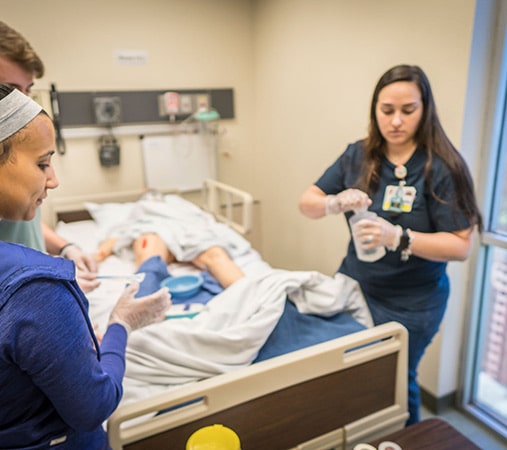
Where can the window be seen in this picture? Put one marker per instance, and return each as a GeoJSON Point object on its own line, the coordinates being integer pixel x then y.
{"type": "Point", "coordinates": [485, 389]}
{"type": "Point", "coordinates": [489, 386]}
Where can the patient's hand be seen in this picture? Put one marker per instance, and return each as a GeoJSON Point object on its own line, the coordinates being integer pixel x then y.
{"type": "Point", "coordinates": [105, 249]}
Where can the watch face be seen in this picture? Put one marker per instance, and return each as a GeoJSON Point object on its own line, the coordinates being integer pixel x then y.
{"type": "Point", "coordinates": [404, 241]}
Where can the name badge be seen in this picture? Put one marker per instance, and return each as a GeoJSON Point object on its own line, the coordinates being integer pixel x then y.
{"type": "Point", "coordinates": [399, 198]}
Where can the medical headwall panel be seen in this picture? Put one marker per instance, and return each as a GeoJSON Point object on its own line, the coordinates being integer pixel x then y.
{"type": "Point", "coordinates": [137, 107]}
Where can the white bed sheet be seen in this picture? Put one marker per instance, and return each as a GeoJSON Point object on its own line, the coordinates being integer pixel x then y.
{"type": "Point", "coordinates": [231, 329]}
{"type": "Point", "coordinates": [88, 234]}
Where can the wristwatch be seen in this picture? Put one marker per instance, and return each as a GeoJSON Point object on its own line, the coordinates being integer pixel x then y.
{"type": "Point", "coordinates": [405, 244]}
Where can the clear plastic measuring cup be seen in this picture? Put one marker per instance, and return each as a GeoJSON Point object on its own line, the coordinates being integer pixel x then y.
{"type": "Point", "coordinates": [367, 255]}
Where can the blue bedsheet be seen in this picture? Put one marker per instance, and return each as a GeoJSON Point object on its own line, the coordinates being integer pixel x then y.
{"type": "Point", "coordinates": [295, 331]}
{"type": "Point", "coordinates": [155, 271]}
{"type": "Point", "coordinates": [292, 332]}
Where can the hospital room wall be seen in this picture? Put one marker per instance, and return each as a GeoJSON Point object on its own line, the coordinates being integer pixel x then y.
{"type": "Point", "coordinates": [302, 73]}
{"type": "Point", "coordinates": [194, 44]}
{"type": "Point", "coordinates": [316, 64]}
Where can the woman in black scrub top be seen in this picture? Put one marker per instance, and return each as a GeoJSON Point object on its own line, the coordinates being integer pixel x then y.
{"type": "Point", "coordinates": [408, 172]}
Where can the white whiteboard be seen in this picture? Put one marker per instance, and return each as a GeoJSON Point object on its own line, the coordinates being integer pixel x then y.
{"type": "Point", "coordinates": [178, 162]}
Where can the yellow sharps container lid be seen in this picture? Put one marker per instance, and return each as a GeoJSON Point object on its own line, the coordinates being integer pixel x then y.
{"type": "Point", "coordinates": [213, 437]}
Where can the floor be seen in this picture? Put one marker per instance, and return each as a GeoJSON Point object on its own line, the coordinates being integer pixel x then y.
{"type": "Point", "coordinates": [470, 427]}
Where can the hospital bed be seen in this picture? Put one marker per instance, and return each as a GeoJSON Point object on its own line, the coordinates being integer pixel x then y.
{"type": "Point", "coordinates": [331, 395]}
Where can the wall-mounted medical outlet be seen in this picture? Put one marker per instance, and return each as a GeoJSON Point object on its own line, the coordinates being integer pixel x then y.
{"type": "Point", "coordinates": [169, 104]}
{"type": "Point", "coordinates": [140, 107]}
{"type": "Point", "coordinates": [172, 104]}
{"type": "Point", "coordinates": [202, 102]}
{"type": "Point", "coordinates": [186, 104]}
{"type": "Point", "coordinates": [107, 110]}
{"type": "Point", "coordinates": [109, 151]}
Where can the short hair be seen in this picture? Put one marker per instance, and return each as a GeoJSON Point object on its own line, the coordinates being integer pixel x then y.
{"type": "Point", "coordinates": [16, 48]}
{"type": "Point", "coordinates": [6, 145]}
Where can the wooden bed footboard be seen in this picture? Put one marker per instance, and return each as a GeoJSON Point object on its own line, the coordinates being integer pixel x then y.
{"type": "Point", "coordinates": [326, 396]}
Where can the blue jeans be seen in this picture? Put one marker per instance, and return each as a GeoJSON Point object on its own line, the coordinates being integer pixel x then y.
{"type": "Point", "coordinates": [422, 325]}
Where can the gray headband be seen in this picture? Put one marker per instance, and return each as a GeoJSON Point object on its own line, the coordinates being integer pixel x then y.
{"type": "Point", "coordinates": [16, 111]}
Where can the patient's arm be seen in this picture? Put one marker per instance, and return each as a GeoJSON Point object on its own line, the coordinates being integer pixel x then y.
{"type": "Point", "coordinates": [218, 262]}
{"type": "Point", "coordinates": [105, 249]}
{"type": "Point", "coordinates": [149, 245]}
{"type": "Point", "coordinates": [215, 259]}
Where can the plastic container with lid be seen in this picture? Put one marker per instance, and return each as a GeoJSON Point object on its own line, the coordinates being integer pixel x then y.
{"type": "Point", "coordinates": [214, 437]}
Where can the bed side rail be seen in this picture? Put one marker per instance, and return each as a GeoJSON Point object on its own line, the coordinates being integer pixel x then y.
{"type": "Point", "coordinates": [218, 393]}
{"type": "Point", "coordinates": [229, 205]}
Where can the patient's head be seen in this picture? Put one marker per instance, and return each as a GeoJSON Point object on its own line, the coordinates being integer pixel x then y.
{"type": "Point", "coordinates": [27, 142]}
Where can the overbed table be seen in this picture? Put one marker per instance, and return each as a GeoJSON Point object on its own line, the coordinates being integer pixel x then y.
{"type": "Point", "coordinates": [434, 434]}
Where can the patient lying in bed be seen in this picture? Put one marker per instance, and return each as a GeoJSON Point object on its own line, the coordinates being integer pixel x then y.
{"type": "Point", "coordinates": [185, 229]}
{"type": "Point", "coordinates": [262, 312]}
{"type": "Point", "coordinates": [214, 259]}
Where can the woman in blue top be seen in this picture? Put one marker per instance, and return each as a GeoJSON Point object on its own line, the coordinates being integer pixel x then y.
{"type": "Point", "coordinates": [57, 385]}
{"type": "Point", "coordinates": [408, 172]}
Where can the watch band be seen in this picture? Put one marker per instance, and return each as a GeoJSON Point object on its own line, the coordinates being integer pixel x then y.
{"type": "Point", "coordinates": [64, 248]}
{"type": "Point", "coordinates": [406, 244]}
{"type": "Point", "coordinates": [404, 240]}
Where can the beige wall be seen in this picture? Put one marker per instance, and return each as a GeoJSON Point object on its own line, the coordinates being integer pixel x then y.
{"type": "Point", "coordinates": [302, 72]}
{"type": "Point", "coordinates": [316, 63]}
{"type": "Point", "coordinates": [189, 45]}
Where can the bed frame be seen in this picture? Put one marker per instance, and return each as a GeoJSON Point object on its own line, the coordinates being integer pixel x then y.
{"type": "Point", "coordinates": [328, 396]}
{"type": "Point", "coordinates": [229, 205]}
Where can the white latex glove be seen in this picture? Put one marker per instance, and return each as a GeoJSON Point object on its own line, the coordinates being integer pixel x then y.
{"type": "Point", "coordinates": [87, 280]}
{"type": "Point", "coordinates": [390, 235]}
{"type": "Point", "coordinates": [134, 313]}
{"type": "Point", "coordinates": [83, 261]}
{"type": "Point", "coordinates": [378, 232]}
{"type": "Point", "coordinates": [347, 200]}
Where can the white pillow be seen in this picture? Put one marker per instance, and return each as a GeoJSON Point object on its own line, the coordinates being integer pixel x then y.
{"type": "Point", "coordinates": [107, 215]}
